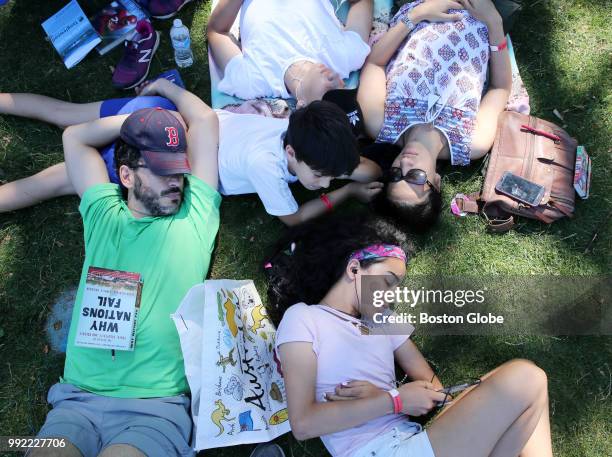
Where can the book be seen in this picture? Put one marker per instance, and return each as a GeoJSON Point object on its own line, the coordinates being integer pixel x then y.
{"type": "Point", "coordinates": [109, 310]}
{"type": "Point", "coordinates": [117, 23]}
{"type": "Point", "coordinates": [173, 76]}
{"type": "Point", "coordinates": [582, 173]}
{"type": "Point", "coordinates": [71, 33]}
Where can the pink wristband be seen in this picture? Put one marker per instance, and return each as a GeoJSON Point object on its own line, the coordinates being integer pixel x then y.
{"type": "Point", "coordinates": [397, 401]}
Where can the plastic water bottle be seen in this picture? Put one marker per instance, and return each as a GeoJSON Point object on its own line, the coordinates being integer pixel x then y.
{"type": "Point", "coordinates": [181, 44]}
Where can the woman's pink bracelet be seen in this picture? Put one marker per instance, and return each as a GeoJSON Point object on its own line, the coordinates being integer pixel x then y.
{"type": "Point", "coordinates": [397, 401]}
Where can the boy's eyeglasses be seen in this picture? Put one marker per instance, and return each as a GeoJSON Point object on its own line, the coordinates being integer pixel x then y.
{"type": "Point", "coordinates": [413, 176]}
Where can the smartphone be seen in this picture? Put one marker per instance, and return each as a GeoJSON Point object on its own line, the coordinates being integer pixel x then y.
{"type": "Point", "coordinates": [452, 390]}
{"type": "Point", "coordinates": [520, 189]}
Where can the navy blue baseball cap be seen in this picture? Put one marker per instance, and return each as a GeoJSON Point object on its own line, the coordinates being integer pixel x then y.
{"type": "Point", "coordinates": [160, 138]}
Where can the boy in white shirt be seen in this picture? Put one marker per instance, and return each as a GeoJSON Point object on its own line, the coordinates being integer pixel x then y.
{"type": "Point", "coordinates": [315, 145]}
{"type": "Point", "coordinates": [288, 48]}
{"type": "Point", "coordinates": [256, 153]}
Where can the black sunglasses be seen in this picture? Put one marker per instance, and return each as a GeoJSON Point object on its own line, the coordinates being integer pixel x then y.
{"type": "Point", "coordinates": [413, 176]}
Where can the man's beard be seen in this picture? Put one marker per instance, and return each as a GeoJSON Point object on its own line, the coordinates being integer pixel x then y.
{"type": "Point", "coordinates": [151, 201]}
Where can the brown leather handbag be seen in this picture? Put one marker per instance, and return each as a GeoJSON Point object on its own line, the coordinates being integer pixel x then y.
{"type": "Point", "coordinates": [538, 151]}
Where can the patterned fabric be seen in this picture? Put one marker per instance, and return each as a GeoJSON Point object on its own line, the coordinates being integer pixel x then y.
{"type": "Point", "coordinates": [438, 75]}
{"type": "Point", "coordinates": [379, 250]}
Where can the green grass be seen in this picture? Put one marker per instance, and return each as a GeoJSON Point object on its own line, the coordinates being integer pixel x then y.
{"type": "Point", "coordinates": [563, 48]}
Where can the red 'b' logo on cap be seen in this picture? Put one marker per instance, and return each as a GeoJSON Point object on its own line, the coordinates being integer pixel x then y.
{"type": "Point", "coordinates": [173, 138]}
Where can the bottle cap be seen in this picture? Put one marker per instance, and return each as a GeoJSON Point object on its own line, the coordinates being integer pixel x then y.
{"type": "Point", "coordinates": [177, 23]}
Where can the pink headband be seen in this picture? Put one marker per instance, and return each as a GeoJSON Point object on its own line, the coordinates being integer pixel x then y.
{"type": "Point", "coordinates": [379, 250]}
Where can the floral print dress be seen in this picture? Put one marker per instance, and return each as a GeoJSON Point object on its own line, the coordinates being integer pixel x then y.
{"type": "Point", "coordinates": [437, 76]}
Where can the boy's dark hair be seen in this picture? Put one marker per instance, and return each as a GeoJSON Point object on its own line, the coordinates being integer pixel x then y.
{"type": "Point", "coordinates": [311, 257]}
{"type": "Point", "coordinates": [321, 136]}
{"type": "Point", "coordinates": [125, 155]}
{"type": "Point", "coordinates": [419, 218]}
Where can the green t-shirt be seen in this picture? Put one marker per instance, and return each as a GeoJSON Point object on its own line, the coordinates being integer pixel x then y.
{"type": "Point", "coordinates": [172, 254]}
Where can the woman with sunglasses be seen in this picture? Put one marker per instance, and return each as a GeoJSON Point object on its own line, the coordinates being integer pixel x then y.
{"type": "Point", "coordinates": [421, 89]}
{"type": "Point", "coordinates": [340, 380]}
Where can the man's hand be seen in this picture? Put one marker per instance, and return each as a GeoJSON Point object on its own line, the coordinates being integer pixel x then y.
{"type": "Point", "coordinates": [365, 192]}
{"type": "Point", "coordinates": [353, 390]}
{"type": "Point", "coordinates": [152, 87]}
{"type": "Point", "coordinates": [419, 397]}
{"type": "Point", "coordinates": [483, 10]}
{"type": "Point", "coordinates": [436, 11]}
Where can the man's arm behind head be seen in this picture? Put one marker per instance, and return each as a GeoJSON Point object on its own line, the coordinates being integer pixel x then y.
{"type": "Point", "coordinates": [202, 129]}
{"type": "Point", "coordinates": [81, 142]}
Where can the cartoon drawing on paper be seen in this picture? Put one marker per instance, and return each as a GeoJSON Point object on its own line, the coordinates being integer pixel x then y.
{"type": "Point", "coordinates": [264, 370]}
{"type": "Point", "coordinates": [219, 307]}
{"type": "Point", "coordinates": [275, 393]}
{"type": "Point", "coordinates": [265, 422]}
{"type": "Point", "coordinates": [225, 361]}
{"type": "Point", "coordinates": [242, 392]}
{"type": "Point", "coordinates": [279, 417]}
{"type": "Point", "coordinates": [220, 414]}
{"type": "Point", "coordinates": [227, 338]}
{"type": "Point", "coordinates": [234, 388]}
{"type": "Point", "coordinates": [230, 316]}
{"type": "Point", "coordinates": [246, 299]}
{"type": "Point", "coordinates": [258, 315]}
{"type": "Point", "coordinates": [256, 354]}
{"type": "Point", "coordinates": [246, 422]}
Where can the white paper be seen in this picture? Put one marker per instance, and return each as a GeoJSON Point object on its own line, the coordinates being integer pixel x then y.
{"type": "Point", "coordinates": [238, 393]}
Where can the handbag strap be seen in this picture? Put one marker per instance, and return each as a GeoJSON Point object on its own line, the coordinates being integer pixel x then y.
{"type": "Point", "coordinates": [469, 203]}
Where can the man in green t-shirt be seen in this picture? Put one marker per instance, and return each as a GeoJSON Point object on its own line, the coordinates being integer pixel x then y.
{"type": "Point", "coordinates": [134, 403]}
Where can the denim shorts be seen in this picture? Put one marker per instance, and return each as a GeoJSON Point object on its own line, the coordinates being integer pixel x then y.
{"type": "Point", "coordinates": [401, 441]}
{"type": "Point", "coordinates": [158, 427]}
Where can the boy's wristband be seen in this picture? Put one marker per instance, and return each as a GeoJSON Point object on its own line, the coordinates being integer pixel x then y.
{"type": "Point", "coordinates": [397, 401]}
{"type": "Point", "coordinates": [326, 201]}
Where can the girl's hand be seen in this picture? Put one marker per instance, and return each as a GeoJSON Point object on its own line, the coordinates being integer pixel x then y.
{"type": "Point", "coordinates": [483, 10]}
{"type": "Point", "coordinates": [419, 397]}
{"type": "Point", "coordinates": [436, 11]}
{"type": "Point", "coordinates": [353, 390]}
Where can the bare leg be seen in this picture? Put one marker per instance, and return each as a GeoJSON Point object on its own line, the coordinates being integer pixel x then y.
{"type": "Point", "coordinates": [69, 450]}
{"type": "Point", "coordinates": [121, 450]}
{"type": "Point", "coordinates": [49, 183]}
{"type": "Point", "coordinates": [47, 109]}
{"type": "Point", "coordinates": [359, 18]}
{"type": "Point", "coordinates": [540, 441]}
{"type": "Point", "coordinates": [506, 415]}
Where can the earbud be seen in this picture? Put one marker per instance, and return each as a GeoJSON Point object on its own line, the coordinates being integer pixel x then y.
{"type": "Point", "coordinates": [354, 270]}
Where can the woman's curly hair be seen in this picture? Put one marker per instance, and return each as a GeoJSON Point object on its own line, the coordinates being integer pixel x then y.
{"type": "Point", "coordinates": [310, 258]}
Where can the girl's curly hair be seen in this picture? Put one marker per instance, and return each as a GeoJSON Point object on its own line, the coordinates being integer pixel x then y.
{"type": "Point", "coordinates": [310, 258]}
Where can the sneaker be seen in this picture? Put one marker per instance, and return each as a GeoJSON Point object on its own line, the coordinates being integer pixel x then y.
{"type": "Point", "coordinates": [133, 67]}
{"type": "Point", "coordinates": [268, 450]}
{"type": "Point", "coordinates": [163, 9]}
